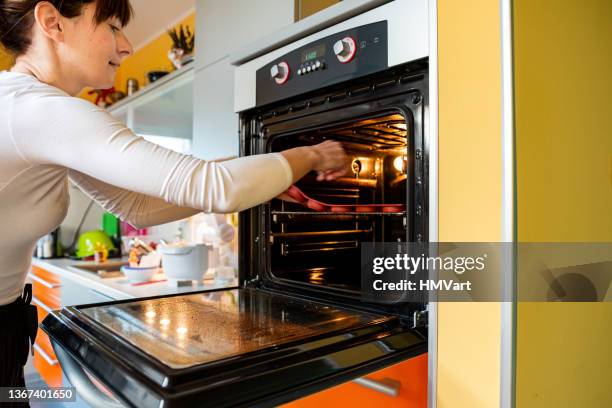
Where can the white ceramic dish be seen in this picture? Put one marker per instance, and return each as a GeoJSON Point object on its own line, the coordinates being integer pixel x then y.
{"type": "Point", "coordinates": [137, 274]}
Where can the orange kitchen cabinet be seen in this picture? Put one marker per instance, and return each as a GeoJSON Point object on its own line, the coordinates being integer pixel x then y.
{"type": "Point", "coordinates": [46, 291]}
{"type": "Point", "coordinates": [46, 275]}
{"type": "Point", "coordinates": [412, 375]}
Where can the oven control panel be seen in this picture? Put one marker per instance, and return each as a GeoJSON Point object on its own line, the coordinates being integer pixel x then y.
{"type": "Point", "coordinates": [339, 57]}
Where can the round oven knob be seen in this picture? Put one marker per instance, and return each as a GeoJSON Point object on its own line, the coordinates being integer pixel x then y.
{"type": "Point", "coordinates": [345, 49]}
{"type": "Point", "coordinates": [280, 72]}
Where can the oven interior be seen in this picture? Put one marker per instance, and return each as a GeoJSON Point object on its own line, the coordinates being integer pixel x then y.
{"type": "Point", "coordinates": [322, 248]}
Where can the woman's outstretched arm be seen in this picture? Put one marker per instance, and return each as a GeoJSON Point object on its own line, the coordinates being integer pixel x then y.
{"type": "Point", "coordinates": [57, 129]}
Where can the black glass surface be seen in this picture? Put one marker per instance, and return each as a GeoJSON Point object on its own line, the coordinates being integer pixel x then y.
{"type": "Point", "coordinates": [184, 331]}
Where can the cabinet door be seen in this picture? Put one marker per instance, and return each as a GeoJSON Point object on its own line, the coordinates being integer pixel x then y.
{"type": "Point", "coordinates": [224, 26]}
{"type": "Point", "coordinates": [46, 295]}
{"type": "Point", "coordinates": [409, 375]}
{"type": "Point", "coordinates": [215, 123]}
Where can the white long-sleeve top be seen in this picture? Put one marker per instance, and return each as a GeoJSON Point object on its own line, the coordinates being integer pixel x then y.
{"type": "Point", "coordinates": [48, 137]}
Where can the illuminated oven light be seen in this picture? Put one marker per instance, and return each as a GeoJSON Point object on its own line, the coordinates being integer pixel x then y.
{"type": "Point", "coordinates": [400, 163]}
{"type": "Point", "coordinates": [151, 314]}
{"type": "Point", "coordinates": [164, 322]}
{"type": "Point", "coordinates": [356, 166]}
{"type": "Point", "coordinates": [181, 330]}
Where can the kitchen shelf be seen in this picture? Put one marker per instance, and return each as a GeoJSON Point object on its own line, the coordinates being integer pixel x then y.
{"type": "Point", "coordinates": [161, 109]}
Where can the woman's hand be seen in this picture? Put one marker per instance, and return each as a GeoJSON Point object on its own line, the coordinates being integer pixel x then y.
{"type": "Point", "coordinates": [332, 161]}
{"type": "Point", "coordinates": [328, 159]}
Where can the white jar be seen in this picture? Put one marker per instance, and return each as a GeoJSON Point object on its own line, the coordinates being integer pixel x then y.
{"type": "Point", "coordinates": [184, 261]}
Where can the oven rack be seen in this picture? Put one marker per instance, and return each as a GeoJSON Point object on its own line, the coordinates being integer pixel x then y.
{"type": "Point", "coordinates": [318, 213]}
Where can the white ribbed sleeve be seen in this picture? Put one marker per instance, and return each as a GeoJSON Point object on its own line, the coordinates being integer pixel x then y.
{"type": "Point", "coordinates": [141, 182]}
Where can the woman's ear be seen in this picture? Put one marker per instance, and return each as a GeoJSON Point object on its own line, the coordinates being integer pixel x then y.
{"type": "Point", "coordinates": [49, 20]}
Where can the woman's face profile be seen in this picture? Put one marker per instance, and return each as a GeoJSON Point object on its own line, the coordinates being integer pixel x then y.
{"type": "Point", "coordinates": [94, 51]}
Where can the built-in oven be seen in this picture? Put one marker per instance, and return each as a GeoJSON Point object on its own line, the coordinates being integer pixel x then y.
{"type": "Point", "coordinates": [298, 323]}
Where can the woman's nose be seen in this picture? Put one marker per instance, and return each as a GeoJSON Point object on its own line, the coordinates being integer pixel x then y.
{"type": "Point", "coordinates": [124, 47]}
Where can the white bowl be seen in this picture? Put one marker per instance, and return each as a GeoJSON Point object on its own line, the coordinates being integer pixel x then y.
{"type": "Point", "coordinates": [138, 275]}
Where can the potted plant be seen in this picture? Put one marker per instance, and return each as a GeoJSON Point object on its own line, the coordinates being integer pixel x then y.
{"type": "Point", "coordinates": [183, 42]}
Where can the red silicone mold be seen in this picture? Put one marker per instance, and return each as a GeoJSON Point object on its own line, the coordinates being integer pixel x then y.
{"type": "Point", "coordinates": [297, 194]}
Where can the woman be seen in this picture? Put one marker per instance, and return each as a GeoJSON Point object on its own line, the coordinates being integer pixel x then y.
{"type": "Point", "coordinates": [48, 136]}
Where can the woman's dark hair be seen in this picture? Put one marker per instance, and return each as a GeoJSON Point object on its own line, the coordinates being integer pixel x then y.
{"type": "Point", "coordinates": [17, 18]}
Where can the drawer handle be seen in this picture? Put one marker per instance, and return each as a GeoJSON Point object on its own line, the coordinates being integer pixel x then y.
{"type": "Point", "coordinates": [44, 355]}
{"type": "Point", "coordinates": [42, 305]}
{"type": "Point", "coordinates": [43, 282]}
{"type": "Point", "coordinates": [387, 386]}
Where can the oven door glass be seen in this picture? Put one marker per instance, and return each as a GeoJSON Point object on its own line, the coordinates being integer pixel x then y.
{"type": "Point", "coordinates": [228, 347]}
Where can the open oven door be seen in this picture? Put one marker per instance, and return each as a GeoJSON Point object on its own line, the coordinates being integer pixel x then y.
{"type": "Point", "coordinates": [231, 347]}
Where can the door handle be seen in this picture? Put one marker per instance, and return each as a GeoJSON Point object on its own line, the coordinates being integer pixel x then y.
{"type": "Point", "coordinates": [386, 386]}
{"type": "Point", "coordinates": [41, 304]}
{"type": "Point", "coordinates": [43, 282]}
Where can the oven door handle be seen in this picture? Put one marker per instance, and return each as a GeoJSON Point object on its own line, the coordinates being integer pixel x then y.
{"type": "Point", "coordinates": [386, 386]}
{"type": "Point", "coordinates": [77, 376]}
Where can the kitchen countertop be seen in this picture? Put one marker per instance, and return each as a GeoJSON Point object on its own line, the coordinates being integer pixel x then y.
{"type": "Point", "coordinates": [119, 288]}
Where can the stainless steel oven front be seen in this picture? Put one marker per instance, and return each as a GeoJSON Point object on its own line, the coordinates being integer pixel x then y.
{"type": "Point", "coordinates": [297, 323]}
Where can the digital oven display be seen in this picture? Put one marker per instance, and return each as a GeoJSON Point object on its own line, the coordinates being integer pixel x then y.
{"type": "Point", "coordinates": [313, 53]}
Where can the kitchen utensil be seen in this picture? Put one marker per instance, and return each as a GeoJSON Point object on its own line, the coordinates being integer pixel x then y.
{"type": "Point", "coordinates": [184, 261]}
{"type": "Point", "coordinates": [153, 76]}
{"type": "Point", "coordinates": [150, 260]}
{"type": "Point", "coordinates": [90, 240]}
{"type": "Point", "coordinates": [297, 194]}
{"type": "Point", "coordinates": [138, 274]}
{"type": "Point", "coordinates": [131, 85]}
{"type": "Point", "coordinates": [393, 208]}
{"type": "Point", "coordinates": [140, 244]}
{"type": "Point", "coordinates": [316, 205]}
{"type": "Point", "coordinates": [341, 208]}
{"type": "Point", "coordinates": [49, 246]}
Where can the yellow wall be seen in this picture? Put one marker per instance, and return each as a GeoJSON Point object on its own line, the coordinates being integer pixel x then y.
{"type": "Point", "coordinates": [469, 191]}
{"type": "Point", "coordinates": [152, 56]}
{"type": "Point", "coordinates": [564, 190]}
{"type": "Point", "coordinates": [309, 7]}
{"type": "Point", "coordinates": [6, 60]}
